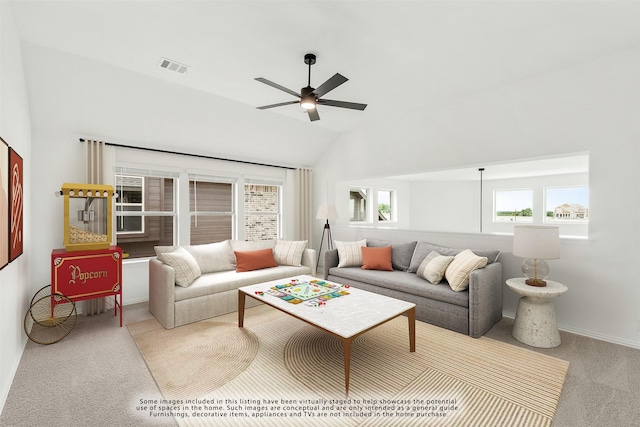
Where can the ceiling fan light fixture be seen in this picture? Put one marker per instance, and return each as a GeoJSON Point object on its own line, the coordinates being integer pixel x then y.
{"type": "Point", "coordinates": [308, 102]}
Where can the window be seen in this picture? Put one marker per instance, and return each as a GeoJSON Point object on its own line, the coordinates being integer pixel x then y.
{"type": "Point", "coordinates": [358, 204]}
{"type": "Point", "coordinates": [145, 211]}
{"type": "Point", "coordinates": [262, 211]}
{"type": "Point", "coordinates": [212, 210]}
{"type": "Point", "coordinates": [386, 208]}
{"type": "Point", "coordinates": [131, 199]}
{"type": "Point", "coordinates": [567, 204]}
{"type": "Point", "coordinates": [513, 205]}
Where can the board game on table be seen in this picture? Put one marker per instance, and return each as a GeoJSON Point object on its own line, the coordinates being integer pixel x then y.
{"type": "Point", "coordinates": [312, 292]}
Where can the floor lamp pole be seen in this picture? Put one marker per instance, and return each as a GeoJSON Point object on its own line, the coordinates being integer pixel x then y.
{"type": "Point", "coordinates": [327, 230]}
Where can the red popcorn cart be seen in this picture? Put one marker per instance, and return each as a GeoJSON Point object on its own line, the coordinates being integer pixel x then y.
{"type": "Point", "coordinates": [87, 274]}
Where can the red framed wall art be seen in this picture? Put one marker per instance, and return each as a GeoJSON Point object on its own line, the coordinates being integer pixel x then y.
{"type": "Point", "coordinates": [4, 203]}
{"type": "Point", "coordinates": [16, 203]}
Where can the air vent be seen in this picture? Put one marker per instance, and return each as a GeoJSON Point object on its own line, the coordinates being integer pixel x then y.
{"type": "Point", "coordinates": [172, 65]}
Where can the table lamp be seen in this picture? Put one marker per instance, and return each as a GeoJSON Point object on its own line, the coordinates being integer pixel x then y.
{"type": "Point", "coordinates": [536, 243]}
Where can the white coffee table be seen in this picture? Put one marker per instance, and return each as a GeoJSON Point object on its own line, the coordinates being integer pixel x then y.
{"type": "Point", "coordinates": [345, 317]}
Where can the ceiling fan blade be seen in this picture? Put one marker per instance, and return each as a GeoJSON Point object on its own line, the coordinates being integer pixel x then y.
{"type": "Point", "coordinates": [313, 114]}
{"type": "Point", "coordinates": [280, 104]}
{"type": "Point", "coordinates": [277, 86]}
{"type": "Point", "coordinates": [330, 84]}
{"type": "Point", "coordinates": [342, 104]}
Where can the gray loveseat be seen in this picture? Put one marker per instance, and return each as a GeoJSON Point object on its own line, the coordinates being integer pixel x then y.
{"type": "Point", "coordinates": [472, 311]}
{"type": "Point", "coordinates": [178, 296]}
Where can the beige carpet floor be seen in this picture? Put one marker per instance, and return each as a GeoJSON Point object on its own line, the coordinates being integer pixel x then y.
{"type": "Point", "coordinates": [280, 371]}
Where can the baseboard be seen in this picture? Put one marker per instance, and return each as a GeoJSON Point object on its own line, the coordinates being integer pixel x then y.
{"type": "Point", "coordinates": [588, 334]}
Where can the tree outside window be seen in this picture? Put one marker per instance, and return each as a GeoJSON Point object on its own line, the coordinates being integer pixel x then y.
{"type": "Point", "coordinates": [385, 206]}
{"type": "Point", "coordinates": [513, 205]}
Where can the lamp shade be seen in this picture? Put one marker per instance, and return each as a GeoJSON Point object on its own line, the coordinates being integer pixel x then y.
{"type": "Point", "coordinates": [536, 242]}
{"type": "Point", "coordinates": [327, 212]}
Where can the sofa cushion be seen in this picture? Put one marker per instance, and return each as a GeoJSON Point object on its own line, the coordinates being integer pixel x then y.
{"type": "Point", "coordinates": [349, 253]}
{"type": "Point", "coordinates": [213, 257]}
{"type": "Point", "coordinates": [402, 282]}
{"type": "Point", "coordinates": [254, 260]}
{"type": "Point", "coordinates": [225, 281]}
{"type": "Point", "coordinates": [252, 245]}
{"type": "Point", "coordinates": [376, 258]}
{"type": "Point", "coordinates": [185, 265]}
{"type": "Point", "coordinates": [433, 267]}
{"type": "Point", "coordinates": [424, 248]}
{"type": "Point", "coordinates": [288, 252]}
{"type": "Point", "coordinates": [401, 253]}
{"type": "Point", "coordinates": [463, 264]}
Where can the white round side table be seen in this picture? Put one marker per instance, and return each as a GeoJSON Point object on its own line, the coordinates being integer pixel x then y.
{"type": "Point", "coordinates": [535, 322]}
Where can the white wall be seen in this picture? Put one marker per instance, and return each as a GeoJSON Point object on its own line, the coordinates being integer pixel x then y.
{"type": "Point", "coordinates": [455, 205]}
{"type": "Point", "coordinates": [590, 107]}
{"type": "Point", "coordinates": [15, 129]}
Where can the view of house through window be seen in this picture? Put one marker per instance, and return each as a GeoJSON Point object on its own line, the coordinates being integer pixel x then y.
{"type": "Point", "coordinates": [358, 204]}
{"type": "Point", "coordinates": [145, 213]}
{"type": "Point", "coordinates": [385, 206]}
{"type": "Point", "coordinates": [212, 212]}
{"type": "Point", "coordinates": [567, 204]}
{"type": "Point", "coordinates": [513, 205]}
{"type": "Point", "coordinates": [262, 211]}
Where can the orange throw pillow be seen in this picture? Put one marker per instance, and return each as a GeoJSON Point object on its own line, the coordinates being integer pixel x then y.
{"type": "Point", "coordinates": [254, 260]}
{"type": "Point", "coordinates": [376, 258]}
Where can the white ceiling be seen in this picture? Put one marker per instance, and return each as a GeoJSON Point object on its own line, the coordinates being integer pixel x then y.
{"type": "Point", "coordinates": [399, 56]}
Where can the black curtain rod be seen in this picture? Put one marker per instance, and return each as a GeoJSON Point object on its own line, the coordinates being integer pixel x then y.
{"type": "Point", "coordinates": [202, 156]}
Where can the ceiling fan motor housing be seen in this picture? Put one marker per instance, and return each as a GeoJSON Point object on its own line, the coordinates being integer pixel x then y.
{"type": "Point", "coordinates": [309, 59]}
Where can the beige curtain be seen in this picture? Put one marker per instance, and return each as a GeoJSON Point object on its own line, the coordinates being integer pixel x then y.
{"type": "Point", "coordinates": [303, 203]}
{"type": "Point", "coordinates": [93, 174]}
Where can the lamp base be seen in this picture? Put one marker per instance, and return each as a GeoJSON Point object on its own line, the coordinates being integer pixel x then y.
{"type": "Point", "coordinates": [536, 282]}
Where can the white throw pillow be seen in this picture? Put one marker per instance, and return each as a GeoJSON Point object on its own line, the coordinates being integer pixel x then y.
{"type": "Point", "coordinates": [213, 257]}
{"type": "Point", "coordinates": [288, 252]}
{"type": "Point", "coordinates": [433, 267]}
{"type": "Point", "coordinates": [463, 264]}
{"type": "Point", "coordinates": [184, 264]}
{"type": "Point", "coordinates": [349, 253]}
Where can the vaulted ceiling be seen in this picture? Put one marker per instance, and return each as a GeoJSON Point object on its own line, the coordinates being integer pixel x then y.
{"type": "Point", "coordinates": [399, 56]}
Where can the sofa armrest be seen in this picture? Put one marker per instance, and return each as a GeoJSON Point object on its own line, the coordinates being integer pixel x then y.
{"type": "Point", "coordinates": [330, 260]}
{"type": "Point", "coordinates": [309, 260]}
{"type": "Point", "coordinates": [162, 285]}
{"type": "Point", "coordinates": [485, 298]}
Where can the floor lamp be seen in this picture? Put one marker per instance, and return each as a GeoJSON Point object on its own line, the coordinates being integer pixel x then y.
{"type": "Point", "coordinates": [326, 212]}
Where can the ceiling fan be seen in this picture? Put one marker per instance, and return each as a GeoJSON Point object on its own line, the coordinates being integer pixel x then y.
{"type": "Point", "coordinates": [311, 97]}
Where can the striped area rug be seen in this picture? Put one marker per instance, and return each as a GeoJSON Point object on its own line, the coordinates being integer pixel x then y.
{"type": "Point", "coordinates": [280, 371]}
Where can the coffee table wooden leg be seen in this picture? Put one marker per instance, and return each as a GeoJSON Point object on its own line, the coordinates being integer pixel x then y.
{"type": "Point", "coordinates": [346, 343]}
{"type": "Point", "coordinates": [412, 329]}
{"type": "Point", "coordinates": [241, 298]}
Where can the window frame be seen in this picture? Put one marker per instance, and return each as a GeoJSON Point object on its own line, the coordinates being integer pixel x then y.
{"type": "Point", "coordinates": [279, 205]}
{"type": "Point", "coordinates": [215, 179]}
{"type": "Point", "coordinates": [553, 220]}
{"type": "Point", "coordinates": [392, 206]}
{"type": "Point", "coordinates": [367, 205]}
{"type": "Point", "coordinates": [123, 238]}
{"type": "Point", "coordinates": [525, 219]}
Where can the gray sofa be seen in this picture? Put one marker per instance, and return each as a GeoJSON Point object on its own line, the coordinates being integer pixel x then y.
{"type": "Point", "coordinates": [472, 311]}
{"type": "Point", "coordinates": [215, 290]}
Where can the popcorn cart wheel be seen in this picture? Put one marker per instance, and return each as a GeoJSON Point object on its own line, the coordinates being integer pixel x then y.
{"type": "Point", "coordinates": [50, 318]}
{"type": "Point", "coordinates": [43, 291]}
